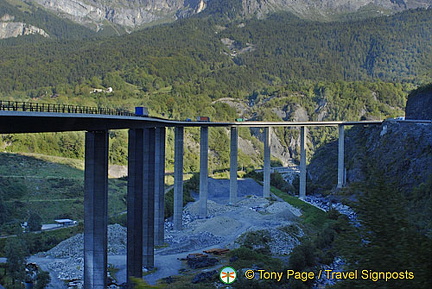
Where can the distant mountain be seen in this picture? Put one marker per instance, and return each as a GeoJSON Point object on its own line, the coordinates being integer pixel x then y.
{"type": "Point", "coordinates": [128, 15]}
{"type": "Point", "coordinates": [327, 9]}
{"type": "Point", "coordinates": [10, 28]}
{"type": "Point", "coordinates": [18, 18]}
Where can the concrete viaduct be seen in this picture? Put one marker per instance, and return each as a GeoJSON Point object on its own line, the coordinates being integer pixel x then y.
{"type": "Point", "coordinates": [146, 159]}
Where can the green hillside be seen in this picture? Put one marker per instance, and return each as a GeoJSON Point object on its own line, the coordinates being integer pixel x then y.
{"type": "Point", "coordinates": [190, 53]}
{"type": "Point", "coordinates": [44, 186]}
{"type": "Point", "coordinates": [272, 67]}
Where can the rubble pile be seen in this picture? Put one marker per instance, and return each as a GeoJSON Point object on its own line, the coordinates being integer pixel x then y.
{"type": "Point", "coordinates": [68, 269]}
{"type": "Point", "coordinates": [224, 224]}
{"type": "Point", "coordinates": [325, 204]}
{"type": "Point", "coordinates": [74, 246]}
{"type": "Point", "coordinates": [187, 218]}
{"type": "Point", "coordinates": [217, 226]}
{"type": "Point", "coordinates": [283, 207]}
{"type": "Point", "coordinates": [253, 201]}
{"type": "Point", "coordinates": [282, 243]}
{"type": "Point", "coordinates": [213, 209]}
{"type": "Point", "coordinates": [188, 242]}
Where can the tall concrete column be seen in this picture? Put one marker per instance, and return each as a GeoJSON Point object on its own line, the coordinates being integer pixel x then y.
{"type": "Point", "coordinates": [149, 197]}
{"type": "Point", "coordinates": [159, 186]}
{"type": "Point", "coordinates": [302, 192]}
{"type": "Point", "coordinates": [95, 210]}
{"type": "Point", "coordinates": [140, 201]}
{"type": "Point", "coordinates": [203, 187]}
{"type": "Point", "coordinates": [178, 177]}
{"type": "Point", "coordinates": [341, 153]}
{"type": "Point", "coordinates": [266, 189]}
{"type": "Point", "coordinates": [233, 165]}
{"type": "Point", "coordinates": [135, 204]}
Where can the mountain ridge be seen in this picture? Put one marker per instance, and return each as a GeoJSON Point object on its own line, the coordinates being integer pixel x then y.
{"type": "Point", "coordinates": [119, 16]}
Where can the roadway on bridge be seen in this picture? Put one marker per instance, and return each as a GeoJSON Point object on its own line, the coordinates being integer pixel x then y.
{"type": "Point", "coordinates": [33, 122]}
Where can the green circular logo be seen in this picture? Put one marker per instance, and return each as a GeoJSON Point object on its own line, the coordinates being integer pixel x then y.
{"type": "Point", "coordinates": [227, 275]}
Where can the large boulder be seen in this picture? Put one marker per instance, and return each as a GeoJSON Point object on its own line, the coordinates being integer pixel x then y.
{"type": "Point", "coordinates": [419, 104]}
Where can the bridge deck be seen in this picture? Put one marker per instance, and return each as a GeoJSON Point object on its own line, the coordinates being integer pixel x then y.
{"type": "Point", "coordinates": [31, 122]}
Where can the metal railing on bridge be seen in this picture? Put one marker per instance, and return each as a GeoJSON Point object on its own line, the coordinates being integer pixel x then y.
{"type": "Point", "coordinates": [60, 108]}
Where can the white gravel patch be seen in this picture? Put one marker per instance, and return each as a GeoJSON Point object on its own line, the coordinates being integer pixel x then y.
{"type": "Point", "coordinates": [281, 207]}
{"type": "Point", "coordinates": [218, 226]}
{"type": "Point", "coordinates": [74, 246]}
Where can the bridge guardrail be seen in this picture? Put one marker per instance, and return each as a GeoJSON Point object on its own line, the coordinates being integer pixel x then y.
{"type": "Point", "coordinates": [61, 108]}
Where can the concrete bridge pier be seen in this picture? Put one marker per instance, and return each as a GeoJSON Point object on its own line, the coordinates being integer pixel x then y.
{"type": "Point", "coordinates": [135, 204]}
{"type": "Point", "coordinates": [178, 176]}
{"type": "Point", "coordinates": [266, 172]}
{"type": "Point", "coordinates": [159, 186]}
{"type": "Point", "coordinates": [203, 185]}
{"type": "Point", "coordinates": [95, 209]}
{"type": "Point", "coordinates": [341, 156]}
{"type": "Point", "coordinates": [140, 201]}
{"type": "Point", "coordinates": [233, 165]}
{"type": "Point", "coordinates": [149, 196]}
{"type": "Point", "coordinates": [302, 193]}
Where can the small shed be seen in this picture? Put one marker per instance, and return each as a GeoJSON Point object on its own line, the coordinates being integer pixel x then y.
{"type": "Point", "coordinates": [65, 222]}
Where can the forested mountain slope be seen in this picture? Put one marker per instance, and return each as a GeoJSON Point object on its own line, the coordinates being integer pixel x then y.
{"type": "Point", "coordinates": [242, 56]}
{"type": "Point", "coordinates": [279, 68]}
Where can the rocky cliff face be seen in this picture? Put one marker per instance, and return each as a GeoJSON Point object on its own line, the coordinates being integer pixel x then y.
{"type": "Point", "coordinates": [419, 104]}
{"type": "Point", "coordinates": [9, 28]}
{"type": "Point", "coordinates": [398, 153]}
{"type": "Point", "coordinates": [401, 151]}
{"type": "Point", "coordinates": [132, 14]}
{"type": "Point", "coordinates": [326, 8]}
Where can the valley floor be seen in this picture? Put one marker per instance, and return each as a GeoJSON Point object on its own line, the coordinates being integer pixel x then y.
{"type": "Point", "coordinates": [221, 229]}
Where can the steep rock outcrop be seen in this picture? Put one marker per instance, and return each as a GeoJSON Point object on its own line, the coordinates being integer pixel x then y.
{"type": "Point", "coordinates": [132, 14]}
{"type": "Point", "coordinates": [398, 153]}
{"type": "Point", "coordinates": [325, 8]}
{"type": "Point", "coordinates": [127, 13]}
{"type": "Point", "coordinates": [419, 104]}
{"type": "Point", "coordinates": [401, 151]}
{"type": "Point", "coordinates": [9, 28]}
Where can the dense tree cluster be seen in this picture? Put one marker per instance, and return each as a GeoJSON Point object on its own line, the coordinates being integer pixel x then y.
{"type": "Point", "coordinates": [190, 54]}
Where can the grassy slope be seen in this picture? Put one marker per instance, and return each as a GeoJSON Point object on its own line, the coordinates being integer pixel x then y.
{"type": "Point", "coordinates": [54, 187]}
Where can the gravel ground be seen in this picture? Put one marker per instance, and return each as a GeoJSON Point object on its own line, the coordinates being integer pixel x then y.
{"type": "Point", "coordinates": [220, 230]}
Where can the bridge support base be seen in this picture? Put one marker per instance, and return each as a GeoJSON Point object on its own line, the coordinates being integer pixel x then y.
{"type": "Point", "coordinates": [95, 210]}
{"type": "Point", "coordinates": [233, 165]}
{"type": "Point", "coordinates": [341, 153]}
{"type": "Point", "coordinates": [178, 177]}
{"type": "Point", "coordinates": [149, 197]}
{"type": "Point", "coordinates": [140, 201]}
{"type": "Point", "coordinates": [159, 186]}
{"type": "Point", "coordinates": [302, 193]}
{"type": "Point", "coordinates": [135, 204]}
{"type": "Point", "coordinates": [266, 189]}
{"type": "Point", "coordinates": [203, 187]}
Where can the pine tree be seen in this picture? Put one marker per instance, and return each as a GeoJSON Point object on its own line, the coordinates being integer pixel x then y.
{"type": "Point", "coordinates": [34, 222]}
{"type": "Point", "coordinates": [385, 241]}
{"type": "Point", "coordinates": [16, 253]}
